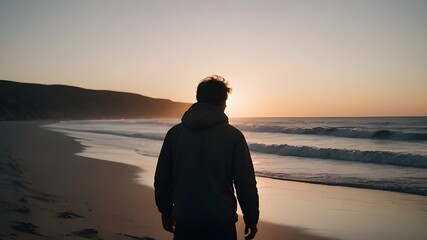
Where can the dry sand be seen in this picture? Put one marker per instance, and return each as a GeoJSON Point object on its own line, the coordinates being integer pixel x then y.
{"type": "Point", "coordinates": [49, 192]}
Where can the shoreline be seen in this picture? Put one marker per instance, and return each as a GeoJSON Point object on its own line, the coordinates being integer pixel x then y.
{"type": "Point", "coordinates": [50, 191]}
{"type": "Point", "coordinates": [340, 185]}
{"type": "Point", "coordinates": [332, 211]}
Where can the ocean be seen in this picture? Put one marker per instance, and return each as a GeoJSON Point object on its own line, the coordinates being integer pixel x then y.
{"type": "Point", "coordinates": [366, 154]}
{"type": "Point", "coordinates": [387, 153]}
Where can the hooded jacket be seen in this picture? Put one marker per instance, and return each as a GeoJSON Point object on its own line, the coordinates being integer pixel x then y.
{"type": "Point", "coordinates": [202, 162]}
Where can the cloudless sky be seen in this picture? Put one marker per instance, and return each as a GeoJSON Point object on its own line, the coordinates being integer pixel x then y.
{"type": "Point", "coordinates": [282, 58]}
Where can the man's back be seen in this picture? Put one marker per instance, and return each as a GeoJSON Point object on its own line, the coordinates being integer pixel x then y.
{"type": "Point", "coordinates": [200, 161]}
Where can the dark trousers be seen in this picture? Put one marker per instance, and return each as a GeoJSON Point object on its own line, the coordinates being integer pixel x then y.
{"type": "Point", "coordinates": [205, 232]}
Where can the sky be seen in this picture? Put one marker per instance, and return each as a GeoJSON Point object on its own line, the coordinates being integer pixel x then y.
{"type": "Point", "coordinates": [319, 58]}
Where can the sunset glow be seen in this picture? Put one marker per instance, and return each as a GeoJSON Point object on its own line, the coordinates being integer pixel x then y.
{"type": "Point", "coordinates": [282, 58]}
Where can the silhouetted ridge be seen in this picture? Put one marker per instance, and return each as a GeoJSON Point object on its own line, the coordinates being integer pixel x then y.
{"type": "Point", "coordinates": [25, 101]}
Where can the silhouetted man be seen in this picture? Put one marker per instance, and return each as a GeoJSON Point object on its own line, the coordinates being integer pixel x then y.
{"type": "Point", "coordinates": [201, 162]}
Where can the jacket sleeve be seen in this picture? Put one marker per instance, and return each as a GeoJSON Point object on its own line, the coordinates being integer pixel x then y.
{"type": "Point", "coordinates": [245, 182]}
{"type": "Point", "coordinates": [163, 178]}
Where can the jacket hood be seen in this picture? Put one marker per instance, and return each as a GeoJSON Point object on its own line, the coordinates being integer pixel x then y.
{"type": "Point", "coordinates": [203, 115]}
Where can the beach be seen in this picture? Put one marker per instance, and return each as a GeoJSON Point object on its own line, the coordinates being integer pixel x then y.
{"type": "Point", "coordinates": [50, 192]}
{"type": "Point", "coordinates": [329, 96]}
{"type": "Point", "coordinates": [334, 198]}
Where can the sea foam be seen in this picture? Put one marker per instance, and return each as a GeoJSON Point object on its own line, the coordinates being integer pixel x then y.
{"type": "Point", "coordinates": [378, 157]}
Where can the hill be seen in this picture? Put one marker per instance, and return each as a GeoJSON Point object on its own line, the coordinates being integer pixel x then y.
{"type": "Point", "coordinates": [27, 101]}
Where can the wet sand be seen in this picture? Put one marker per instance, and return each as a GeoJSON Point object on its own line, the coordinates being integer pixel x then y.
{"type": "Point", "coordinates": [50, 192]}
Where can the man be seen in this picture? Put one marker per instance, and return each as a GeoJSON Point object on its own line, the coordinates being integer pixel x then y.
{"type": "Point", "coordinates": [201, 162]}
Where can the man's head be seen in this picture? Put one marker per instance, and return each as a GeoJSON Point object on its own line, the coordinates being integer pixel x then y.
{"type": "Point", "coordinates": [213, 90]}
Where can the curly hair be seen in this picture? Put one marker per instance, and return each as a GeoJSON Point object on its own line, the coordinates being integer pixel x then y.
{"type": "Point", "coordinates": [213, 90]}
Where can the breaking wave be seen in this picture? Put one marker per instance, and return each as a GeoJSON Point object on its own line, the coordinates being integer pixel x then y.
{"type": "Point", "coordinates": [378, 157]}
{"type": "Point", "coordinates": [339, 132]}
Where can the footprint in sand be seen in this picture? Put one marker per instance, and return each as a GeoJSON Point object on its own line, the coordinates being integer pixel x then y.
{"type": "Point", "coordinates": [26, 227]}
{"type": "Point", "coordinates": [69, 215]}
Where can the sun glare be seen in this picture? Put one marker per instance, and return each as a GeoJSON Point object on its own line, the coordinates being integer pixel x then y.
{"type": "Point", "coordinates": [234, 105]}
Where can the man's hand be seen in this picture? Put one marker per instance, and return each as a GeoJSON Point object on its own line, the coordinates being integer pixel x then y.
{"type": "Point", "coordinates": [168, 223]}
{"type": "Point", "coordinates": [250, 235]}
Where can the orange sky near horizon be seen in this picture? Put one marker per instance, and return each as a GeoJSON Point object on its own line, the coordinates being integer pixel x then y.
{"type": "Point", "coordinates": [282, 58]}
